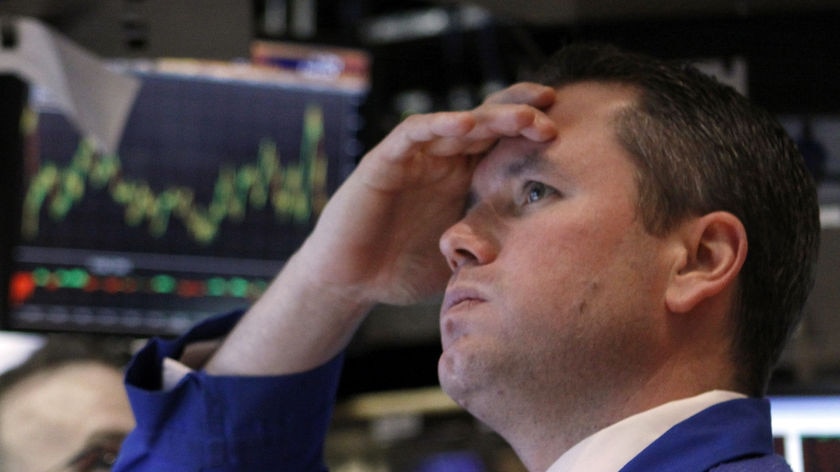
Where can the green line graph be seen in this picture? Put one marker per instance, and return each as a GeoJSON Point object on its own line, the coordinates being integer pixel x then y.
{"type": "Point", "coordinates": [295, 191]}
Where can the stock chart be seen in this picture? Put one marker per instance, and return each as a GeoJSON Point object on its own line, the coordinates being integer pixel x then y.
{"type": "Point", "coordinates": [214, 185]}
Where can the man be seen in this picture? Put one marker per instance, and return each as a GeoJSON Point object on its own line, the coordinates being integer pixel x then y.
{"type": "Point", "coordinates": [628, 246]}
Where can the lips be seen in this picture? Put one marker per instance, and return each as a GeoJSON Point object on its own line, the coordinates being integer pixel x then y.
{"type": "Point", "coordinates": [458, 297]}
{"type": "Point", "coordinates": [458, 302]}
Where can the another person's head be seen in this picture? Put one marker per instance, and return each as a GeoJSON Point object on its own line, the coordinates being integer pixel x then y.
{"type": "Point", "coordinates": [65, 408]}
{"type": "Point", "coordinates": [661, 246]}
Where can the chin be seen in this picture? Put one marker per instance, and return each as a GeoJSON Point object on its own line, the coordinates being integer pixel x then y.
{"type": "Point", "coordinates": [452, 382]}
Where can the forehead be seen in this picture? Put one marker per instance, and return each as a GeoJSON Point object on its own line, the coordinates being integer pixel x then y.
{"type": "Point", "coordinates": [591, 101]}
{"type": "Point", "coordinates": [586, 117]}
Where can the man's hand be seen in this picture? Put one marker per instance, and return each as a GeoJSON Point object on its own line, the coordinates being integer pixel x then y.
{"type": "Point", "coordinates": [377, 239]}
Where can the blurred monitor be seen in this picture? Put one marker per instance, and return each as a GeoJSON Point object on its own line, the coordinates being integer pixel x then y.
{"type": "Point", "coordinates": [807, 431]}
{"type": "Point", "coordinates": [221, 173]}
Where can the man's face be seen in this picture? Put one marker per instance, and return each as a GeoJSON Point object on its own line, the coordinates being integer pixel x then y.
{"type": "Point", "coordinates": [555, 282]}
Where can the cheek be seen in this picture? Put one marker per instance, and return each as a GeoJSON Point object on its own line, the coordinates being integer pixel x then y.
{"type": "Point", "coordinates": [576, 280]}
{"type": "Point", "coordinates": [552, 276]}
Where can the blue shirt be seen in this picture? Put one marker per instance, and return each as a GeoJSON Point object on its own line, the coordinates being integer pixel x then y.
{"type": "Point", "coordinates": [220, 423]}
{"type": "Point", "coordinates": [232, 423]}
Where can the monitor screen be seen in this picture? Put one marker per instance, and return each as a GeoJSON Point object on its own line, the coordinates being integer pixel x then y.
{"type": "Point", "coordinates": [217, 180]}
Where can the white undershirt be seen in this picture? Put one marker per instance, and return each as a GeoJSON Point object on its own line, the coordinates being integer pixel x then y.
{"type": "Point", "coordinates": [613, 447]}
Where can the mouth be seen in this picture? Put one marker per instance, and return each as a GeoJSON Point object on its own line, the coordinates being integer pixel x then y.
{"type": "Point", "coordinates": [458, 301]}
{"type": "Point", "coordinates": [458, 297]}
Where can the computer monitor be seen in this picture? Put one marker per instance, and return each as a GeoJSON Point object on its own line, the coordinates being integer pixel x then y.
{"type": "Point", "coordinates": [221, 173]}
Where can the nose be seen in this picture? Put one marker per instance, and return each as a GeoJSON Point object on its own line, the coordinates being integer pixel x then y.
{"type": "Point", "coordinates": [469, 242]}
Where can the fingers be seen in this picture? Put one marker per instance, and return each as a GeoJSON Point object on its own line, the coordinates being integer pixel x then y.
{"type": "Point", "coordinates": [425, 128]}
{"type": "Point", "coordinates": [512, 120]}
{"type": "Point", "coordinates": [513, 112]}
{"type": "Point", "coordinates": [493, 121]}
{"type": "Point", "coordinates": [536, 95]}
{"type": "Point", "coordinates": [441, 134]}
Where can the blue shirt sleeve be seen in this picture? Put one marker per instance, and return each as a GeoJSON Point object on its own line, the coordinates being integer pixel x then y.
{"type": "Point", "coordinates": [225, 423]}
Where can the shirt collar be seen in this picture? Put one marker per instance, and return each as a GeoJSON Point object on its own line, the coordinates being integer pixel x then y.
{"type": "Point", "coordinates": [614, 446]}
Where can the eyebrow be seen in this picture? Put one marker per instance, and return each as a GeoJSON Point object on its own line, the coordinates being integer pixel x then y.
{"type": "Point", "coordinates": [532, 162]}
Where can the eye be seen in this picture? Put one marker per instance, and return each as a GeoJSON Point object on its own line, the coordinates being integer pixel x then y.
{"type": "Point", "coordinates": [536, 191]}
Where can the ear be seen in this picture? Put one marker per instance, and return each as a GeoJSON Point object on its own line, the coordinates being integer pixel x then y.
{"type": "Point", "coordinates": [715, 247]}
